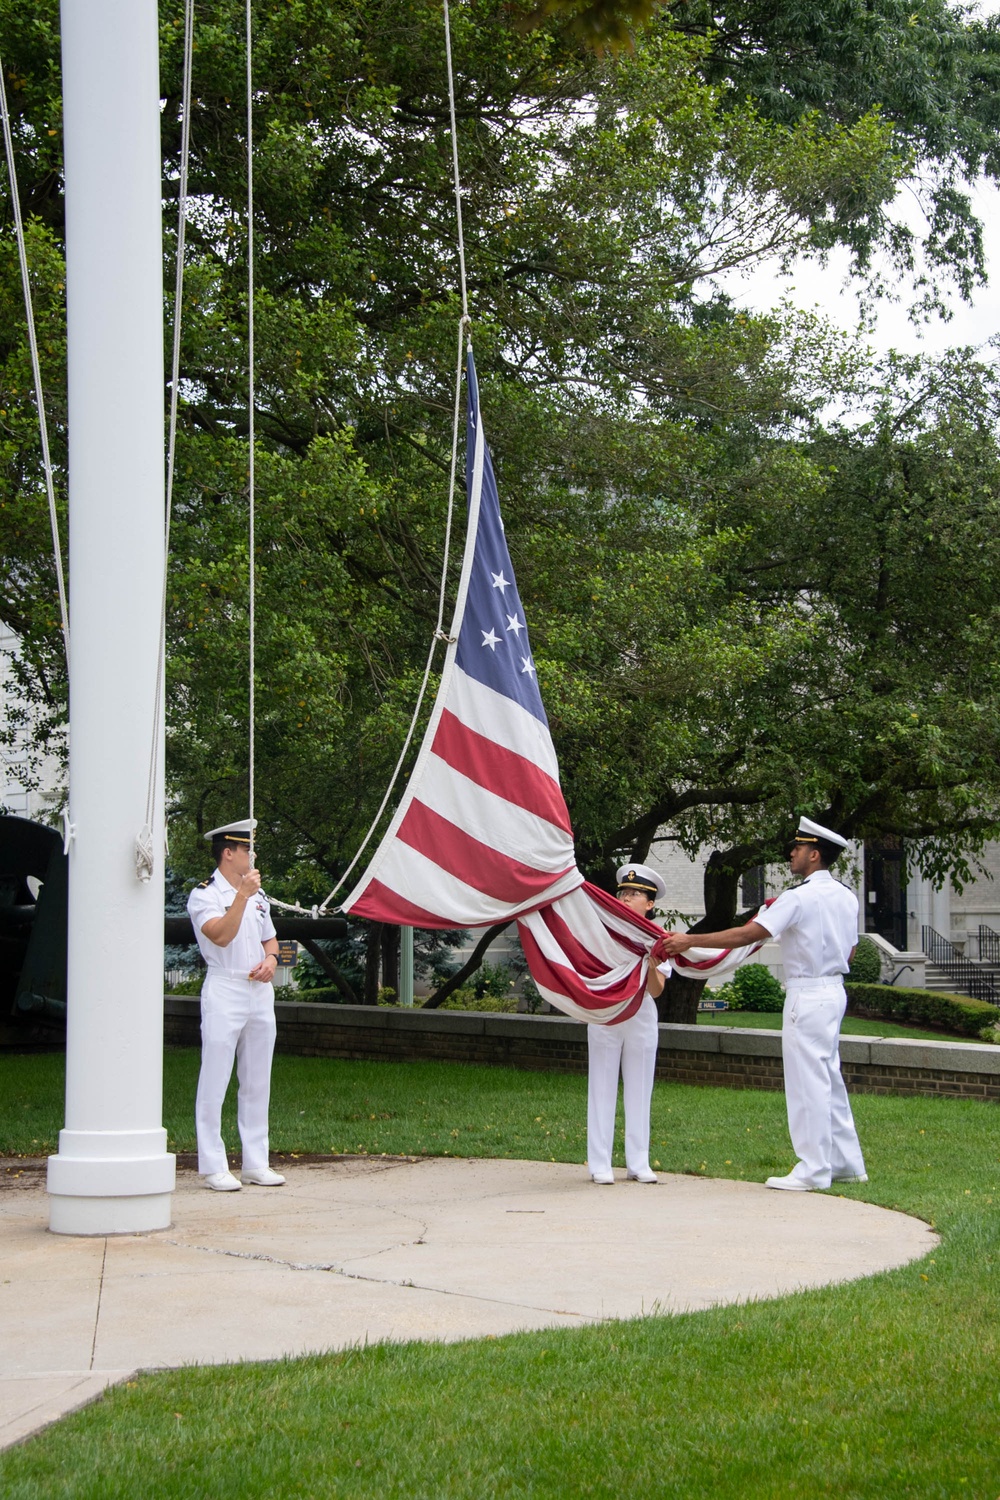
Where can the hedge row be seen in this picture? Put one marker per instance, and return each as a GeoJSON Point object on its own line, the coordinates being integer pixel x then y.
{"type": "Point", "coordinates": [885, 1002]}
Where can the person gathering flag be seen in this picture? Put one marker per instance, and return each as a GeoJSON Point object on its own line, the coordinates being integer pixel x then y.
{"type": "Point", "coordinates": [482, 834]}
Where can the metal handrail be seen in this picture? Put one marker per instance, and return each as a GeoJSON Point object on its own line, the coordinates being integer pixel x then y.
{"type": "Point", "coordinates": [989, 944]}
{"type": "Point", "coordinates": [968, 976]}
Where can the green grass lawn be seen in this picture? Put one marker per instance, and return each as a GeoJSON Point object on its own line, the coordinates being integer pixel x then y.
{"type": "Point", "coordinates": [886, 1387]}
{"type": "Point", "coordinates": [850, 1026]}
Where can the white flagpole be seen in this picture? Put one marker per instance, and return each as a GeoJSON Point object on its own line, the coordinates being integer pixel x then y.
{"type": "Point", "coordinates": [113, 1173]}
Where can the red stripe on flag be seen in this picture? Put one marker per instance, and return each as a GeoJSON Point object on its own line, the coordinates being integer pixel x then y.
{"type": "Point", "coordinates": [380, 903]}
{"type": "Point", "coordinates": [624, 914]}
{"type": "Point", "coordinates": [564, 980]}
{"type": "Point", "coordinates": [469, 860]}
{"type": "Point", "coordinates": [681, 960]}
{"type": "Point", "coordinates": [576, 953]}
{"type": "Point", "coordinates": [499, 770]}
{"type": "Point", "coordinates": [621, 911]}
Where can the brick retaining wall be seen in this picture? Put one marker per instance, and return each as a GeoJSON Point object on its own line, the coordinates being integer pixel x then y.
{"type": "Point", "coordinates": [730, 1057]}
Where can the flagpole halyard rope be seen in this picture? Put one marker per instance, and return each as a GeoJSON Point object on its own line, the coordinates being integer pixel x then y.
{"type": "Point", "coordinates": [251, 477]}
{"type": "Point", "coordinates": [144, 852]}
{"type": "Point", "coordinates": [36, 367]}
{"type": "Point", "coordinates": [454, 162]}
{"type": "Point", "coordinates": [439, 633]}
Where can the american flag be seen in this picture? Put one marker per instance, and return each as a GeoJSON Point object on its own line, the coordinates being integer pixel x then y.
{"type": "Point", "coordinates": [482, 834]}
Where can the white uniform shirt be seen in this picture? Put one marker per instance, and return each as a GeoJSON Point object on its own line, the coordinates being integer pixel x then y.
{"type": "Point", "coordinates": [666, 969]}
{"type": "Point", "coordinates": [213, 899]}
{"type": "Point", "coordinates": [816, 925]}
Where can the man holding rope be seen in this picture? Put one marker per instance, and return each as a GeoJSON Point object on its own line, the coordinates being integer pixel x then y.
{"type": "Point", "coordinates": [232, 923]}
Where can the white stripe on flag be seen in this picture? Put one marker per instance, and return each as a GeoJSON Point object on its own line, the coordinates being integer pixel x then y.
{"type": "Point", "coordinates": [551, 948]}
{"type": "Point", "coordinates": [501, 720]}
{"type": "Point", "coordinates": [494, 821]}
{"type": "Point", "coordinates": [577, 1012]}
{"type": "Point", "coordinates": [419, 880]}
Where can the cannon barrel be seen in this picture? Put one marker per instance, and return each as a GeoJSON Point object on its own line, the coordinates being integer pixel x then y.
{"type": "Point", "coordinates": [292, 928]}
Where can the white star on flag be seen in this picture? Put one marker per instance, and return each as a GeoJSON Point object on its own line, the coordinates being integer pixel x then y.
{"type": "Point", "coordinates": [500, 582]}
{"type": "Point", "coordinates": [527, 667]}
{"type": "Point", "coordinates": [491, 639]}
{"type": "Point", "coordinates": [513, 623]}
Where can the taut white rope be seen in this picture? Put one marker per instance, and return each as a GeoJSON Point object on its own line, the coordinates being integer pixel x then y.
{"type": "Point", "coordinates": [439, 635]}
{"type": "Point", "coordinates": [144, 851]}
{"type": "Point", "coordinates": [36, 368]}
{"type": "Point", "coordinates": [252, 642]}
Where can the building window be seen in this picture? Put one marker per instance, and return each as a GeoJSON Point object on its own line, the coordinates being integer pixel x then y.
{"type": "Point", "coordinates": [752, 887]}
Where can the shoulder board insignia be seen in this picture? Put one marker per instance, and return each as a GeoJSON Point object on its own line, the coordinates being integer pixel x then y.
{"type": "Point", "coordinates": [202, 884]}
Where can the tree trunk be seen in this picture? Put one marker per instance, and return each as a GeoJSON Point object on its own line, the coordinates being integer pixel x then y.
{"type": "Point", "coordinates": [326, 963]}
{"type": "Point", "coordinates": [467, 970]}
{"type": "Point", "coordinates": [390, 958]}
{"type": "Point", "coordinates": [372, 963]}
{"type": "Point", "coordinates": [678, 1000]}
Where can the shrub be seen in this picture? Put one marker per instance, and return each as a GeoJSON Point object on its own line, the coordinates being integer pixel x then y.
{"type": "Point", "coordinates": [727, 993]}
{"type": "Point", "coordinates": [866, 967]}
{"type": "Point", "coordinates": [189, 986]}
{"type": "Point", "coordinates": [957, 1013]}
{"type": "Point", "coordinates": [754, 987]}
{"type": "Point", "coordinates": [496, 980]}
{"type": "Point", "coordinates": [467, 999]}
{"type": "Point", "coordinates": [531, 999]}
{"type": "Point", "coordinates": [311, 997]}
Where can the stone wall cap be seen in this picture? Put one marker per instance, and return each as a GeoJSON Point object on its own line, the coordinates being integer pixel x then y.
{"type": "Point", "coordinates": [181, 1005]}
{"type": "Point", "coordinates": [309, 1013]}
{"type": "Point", "coordinates": [953, 1057]}
{"type": "Point", "coordinates": [678, 1036]}
{"type": "Point", "coordinates": [856, 1049]}
{"type": "Point", "coordinates": [548, 1028]}
{"type": "Point", "coordinates": [749, 1041]}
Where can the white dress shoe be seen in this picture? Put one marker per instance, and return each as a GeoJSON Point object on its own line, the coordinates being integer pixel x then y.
{"type": "Point", "coordinates": [853, 1177]}
{"type": "Point", "coordinates": [646, 1175]}
{"type": "Point", "coordinates": [263, 1177]}
{"type": "Point", "coordinates": [603, 1179]}
{"type": "Point", "coordinates": [222, 1182]}
{"type": "Point", "coordinates": [790, 1184]}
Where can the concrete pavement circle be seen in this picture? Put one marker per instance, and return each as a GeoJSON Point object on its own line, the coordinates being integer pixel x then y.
{"type": "Point", "coordinates": [362, 1249]}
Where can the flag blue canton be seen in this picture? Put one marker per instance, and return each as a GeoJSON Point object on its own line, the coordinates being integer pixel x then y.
{"type": "Point", "coordinates": [493, 645]}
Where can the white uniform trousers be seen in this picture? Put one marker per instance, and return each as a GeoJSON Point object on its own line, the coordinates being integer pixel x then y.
{"type": "Point", "coordinates": [820, 1122]}
{"type": "Point", "coordinates": [630, 1047]}
{"type": "Point", "coordinates": [237, 1021]}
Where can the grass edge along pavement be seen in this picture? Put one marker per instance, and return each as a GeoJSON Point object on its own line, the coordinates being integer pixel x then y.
{"type": "Point", "coordinates": [881, 1387]}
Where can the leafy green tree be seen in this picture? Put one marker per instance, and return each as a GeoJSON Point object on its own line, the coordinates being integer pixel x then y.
{"type": "Point", "coordinates": [931, 71]}
{"type": "Point", "coordinates": [654, 447]}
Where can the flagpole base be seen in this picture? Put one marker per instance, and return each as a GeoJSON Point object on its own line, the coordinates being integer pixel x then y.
{"type": "Point", "coordinates": [110, 1182]}
{"type": "Point", "coordinates": [97, 1217]}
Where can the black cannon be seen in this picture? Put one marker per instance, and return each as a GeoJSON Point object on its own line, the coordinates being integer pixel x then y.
{"type": "Point", "coordinates": [33, 925]}
{"type": "Point", "coordinates": [33, 931]}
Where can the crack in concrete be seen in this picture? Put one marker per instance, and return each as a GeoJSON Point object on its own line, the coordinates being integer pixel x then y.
{"type": "Point", "coordinates": [332, 1268]}
{"type": "Point", "coordinates": [273, 1260]}
{"type": "Point", "coordinates": [97, 1313]}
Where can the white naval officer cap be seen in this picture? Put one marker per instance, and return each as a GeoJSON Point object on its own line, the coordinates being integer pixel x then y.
{"type": "Point", "coordinates": [641, 878]}
{"type": "Point", "coordinates": [238, 833]}
{"type": "Point", "coordinates": [813, 833]}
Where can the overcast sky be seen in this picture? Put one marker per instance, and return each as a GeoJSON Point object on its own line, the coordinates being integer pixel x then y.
{"type": "Point", "coordinates": [822, 289]}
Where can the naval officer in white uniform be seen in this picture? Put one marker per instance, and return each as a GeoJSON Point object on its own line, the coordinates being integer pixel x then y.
{"type": "Point", "coordinates": [629, 1046]}
{"type": "Point", "coordinates": [232, 923]}
{"type": "Point", "coordinates": [816, 924]}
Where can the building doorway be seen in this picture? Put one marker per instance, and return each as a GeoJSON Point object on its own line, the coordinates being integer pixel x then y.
{"type": "Point", "coordinates": [885, 889]}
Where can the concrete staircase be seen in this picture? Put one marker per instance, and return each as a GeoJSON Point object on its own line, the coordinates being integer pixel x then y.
{"type": "Point", "coordinates": [951, 971]}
